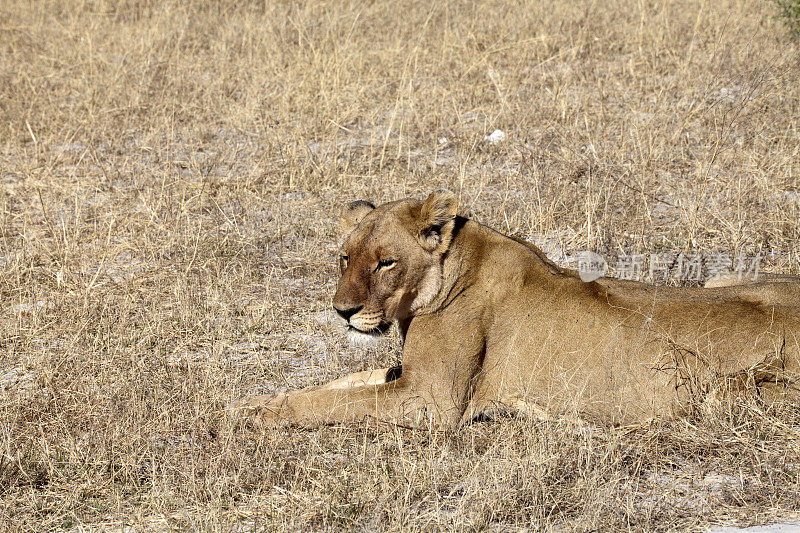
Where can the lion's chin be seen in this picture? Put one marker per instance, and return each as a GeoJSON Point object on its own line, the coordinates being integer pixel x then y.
{"type": "Point", "coordinates": [358, 337]}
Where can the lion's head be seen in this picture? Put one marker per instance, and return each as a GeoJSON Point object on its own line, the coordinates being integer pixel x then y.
{"type": "Point", "coordinates": [391, 260]}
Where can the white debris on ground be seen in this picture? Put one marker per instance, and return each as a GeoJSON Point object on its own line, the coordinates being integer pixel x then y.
{"type": "Point", "coordinates": [497, 136]}
{"type": "Point", "coordinates": [15, 378]}
{"type": "Point", "coordinates": [784, 527]}
{"type": "Point", "coordinates": [31, 306]}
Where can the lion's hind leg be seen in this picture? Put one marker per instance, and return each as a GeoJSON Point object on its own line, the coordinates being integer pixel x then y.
{"type": "Point", "coordinates": [479, 410]}
{"type": "Point", "coordinates": [768, 380]}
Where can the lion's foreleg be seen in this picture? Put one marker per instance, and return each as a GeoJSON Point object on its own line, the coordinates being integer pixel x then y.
{"type": "Point", "coordinates": [369, 394]}
{"type": "Point", "coordinates": [363, 379]}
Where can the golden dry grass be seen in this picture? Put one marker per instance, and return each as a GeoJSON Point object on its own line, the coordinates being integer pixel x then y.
{"type": "Point", "coordinates": [170, 179]}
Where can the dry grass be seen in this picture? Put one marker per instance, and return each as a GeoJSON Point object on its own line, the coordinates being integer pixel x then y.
{"type": "Point", "coordinates": [170, 177]}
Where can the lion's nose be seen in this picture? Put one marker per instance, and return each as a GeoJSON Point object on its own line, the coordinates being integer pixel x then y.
{"type": "Point", "coordinates": [347, 313]}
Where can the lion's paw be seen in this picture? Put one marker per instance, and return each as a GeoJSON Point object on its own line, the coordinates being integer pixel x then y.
{"type": "Point", "coordinates": [262, 410]}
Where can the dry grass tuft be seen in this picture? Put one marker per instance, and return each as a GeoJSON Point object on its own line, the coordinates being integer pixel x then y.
{"type": "Point", "coordinates": [170, 174]}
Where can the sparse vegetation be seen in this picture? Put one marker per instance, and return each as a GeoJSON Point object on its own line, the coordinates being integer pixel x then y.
{"type": "Point", "coordinates": [789, 11]}
{"type": "Point", "coordinates": [170, 180]}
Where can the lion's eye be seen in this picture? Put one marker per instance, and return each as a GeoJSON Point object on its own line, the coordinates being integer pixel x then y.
{"type": "Point", "coordinates": [385, 264]}
{"type": "Point", "coordinates": [343, 260]}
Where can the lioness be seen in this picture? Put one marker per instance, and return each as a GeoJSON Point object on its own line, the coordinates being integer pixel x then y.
{"type": "Point", "coordinates": [489, 323]}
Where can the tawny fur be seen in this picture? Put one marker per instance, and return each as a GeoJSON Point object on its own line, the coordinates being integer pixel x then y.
{"type": "Point", "coordinates": [508, 330]}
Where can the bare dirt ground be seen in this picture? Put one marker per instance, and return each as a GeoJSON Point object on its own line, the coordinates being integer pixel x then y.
{"type": "Point", "coordinates": [782, 527]}
{"type": "Point", "coordinates": [171, 175]}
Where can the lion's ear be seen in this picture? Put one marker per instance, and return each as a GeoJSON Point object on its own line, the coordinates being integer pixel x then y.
{"type": "Point", "coordinates": [436, 220]}
{"type": "Point", "coordinates": [353, 213]}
